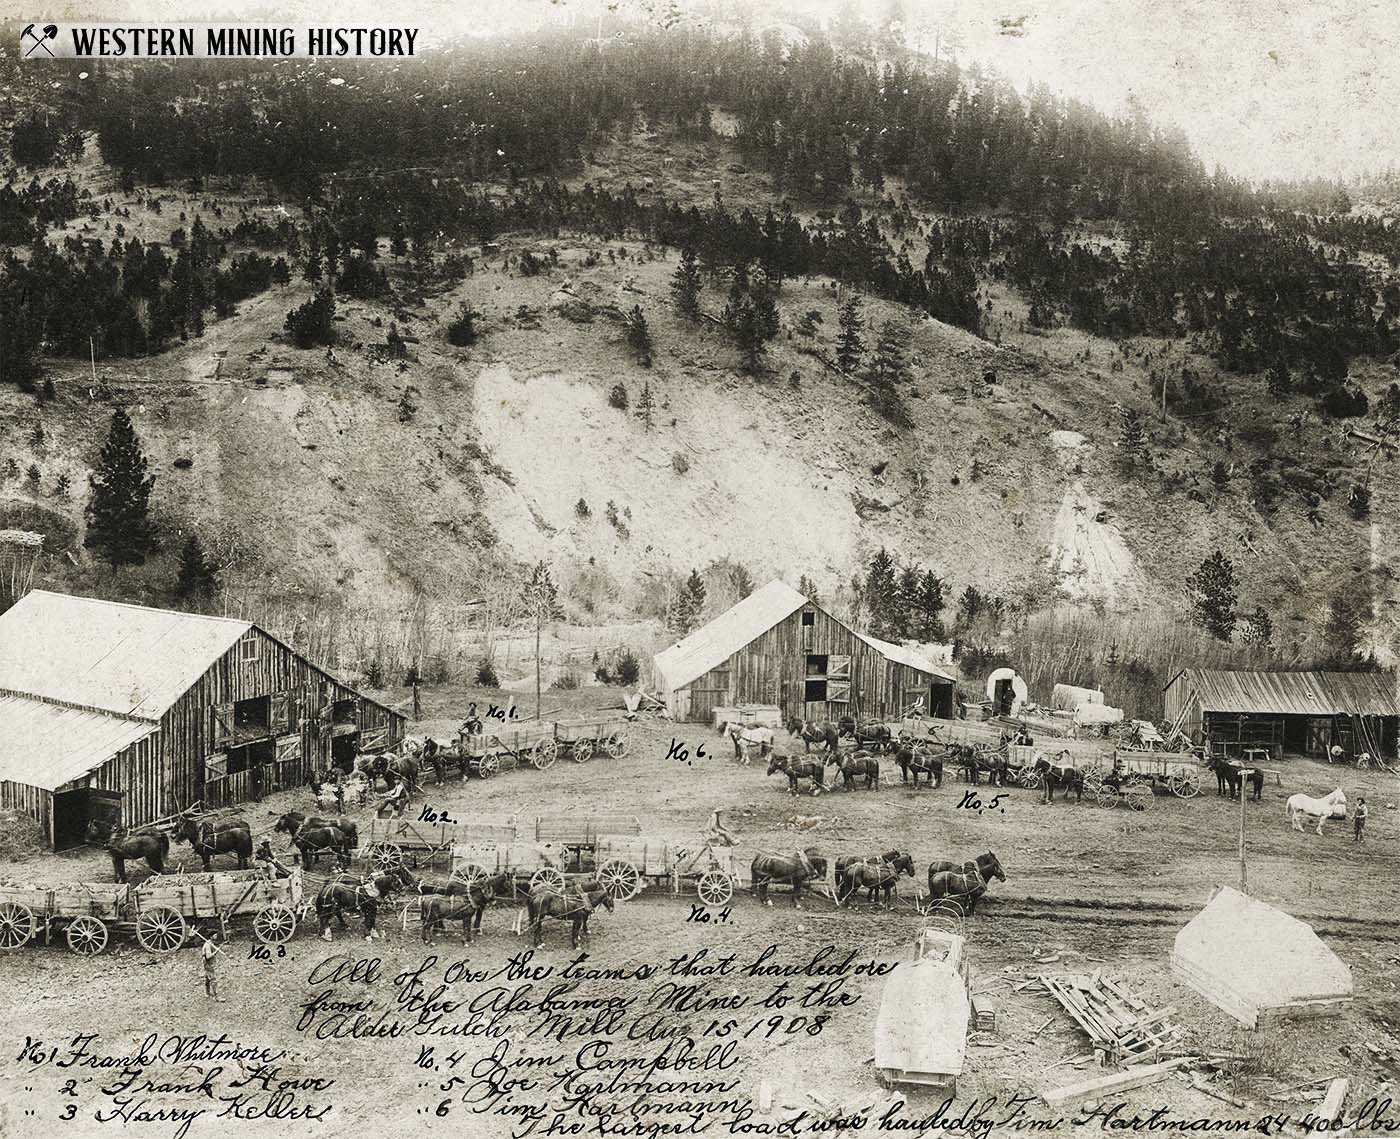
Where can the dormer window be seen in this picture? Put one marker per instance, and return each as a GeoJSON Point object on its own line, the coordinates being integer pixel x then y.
{"type": "Point", "coordinates": [808, 618]}
{"type": "Point", "coordinates": [248, 648]}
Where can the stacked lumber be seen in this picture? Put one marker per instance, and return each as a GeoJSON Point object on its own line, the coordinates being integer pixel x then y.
{"type": "Point", "coordinates": [1116, 1019]}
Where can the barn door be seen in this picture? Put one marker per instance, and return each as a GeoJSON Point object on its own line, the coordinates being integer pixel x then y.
{"type": "Point", "coordinates": [215, 793]}
{"type": "Point", "coordinates": [288, 762]}
{"type": "Point", "coordinates": [221, 727]}
{"type": "Point", "coordinates": [282, 712]}
{"type": "Point", "coordinates": [375, 740]}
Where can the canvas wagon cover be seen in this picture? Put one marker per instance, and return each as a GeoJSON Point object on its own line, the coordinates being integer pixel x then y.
{"type": "Point", "coordinates": [922, 1023]}
{"type": "Point", "coordinates": [1245, 955]}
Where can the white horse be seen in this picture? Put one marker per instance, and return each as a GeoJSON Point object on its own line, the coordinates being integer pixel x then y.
{"type": "Point", "coordinates": [1322, 809]}
{"type": "Point", "coordinates": [745, 739]}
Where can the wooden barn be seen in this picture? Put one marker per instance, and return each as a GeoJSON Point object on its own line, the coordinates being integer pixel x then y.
{"type": "Point", "coordinates": [127, 714]}
{"type": "Point", "coordinates": [1301, 712]}
{"type": "Point", "coordinates": [776, 647]}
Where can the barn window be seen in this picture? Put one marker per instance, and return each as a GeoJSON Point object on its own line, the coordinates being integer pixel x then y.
{"type": "Point", "coordinates": [815, 691]}
{"type": "Point", "coordinates": [237, 761]}
{"type": "Point", "coordinates": [808, 618]}
{"type": "Point", "coordinates": [816, 665]}
{"type": "Point", "coordinates": [248, 648]}
{"type": "Point", "coordinates": [251, 717]}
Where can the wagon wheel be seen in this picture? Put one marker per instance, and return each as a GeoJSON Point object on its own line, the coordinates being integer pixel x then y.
{"type": "Point", "coordinates": [86, 935]}
{"type": "Point", "coordinates": [1035, 780]}
{"type": "Point", "coordinates": [17, 924]}
{"type": "Point", "coordinates": [470, 875]}
{"type": "Point", "coordinates": [616, 746]}
{"type": "Point", "coordinates": [275, 924]}
{"type": "Point", "coordinates": [386, 855]}
{"type": "Point", "coordinates": [581, 751]}
{"type": "Point", "coordinates": [1138, 794]}
{"type": "Point", "coordinates": [1093, 780]}
{"type": "Point", "coordinates": [620, 879]}
{"type": "Point", "coordinates": [1184, 784]}
{"type": "Point", "coordinates": [714, 888]}
{"type": "Point", "coordinates": [547, 876]}
{"type": "Point", "coordinates": [487, 766]}
{"type": "Point", "coordinates": [544, 755]}
{"type": "Point", "coordinates": [1106, 795]}
{"type": "Point", "coordinates": [160, 929]}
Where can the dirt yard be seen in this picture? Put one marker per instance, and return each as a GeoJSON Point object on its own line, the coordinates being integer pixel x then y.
{"type": "Point", "coordinates": [1093, 889]}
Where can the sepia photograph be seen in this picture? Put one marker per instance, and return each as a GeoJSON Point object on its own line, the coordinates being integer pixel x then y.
{"type": "Point", "coordinates": [734, 568]}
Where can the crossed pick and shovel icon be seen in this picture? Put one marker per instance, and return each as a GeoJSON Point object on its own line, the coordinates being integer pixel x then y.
{"type": "Point", "coordinates": [40, 38]}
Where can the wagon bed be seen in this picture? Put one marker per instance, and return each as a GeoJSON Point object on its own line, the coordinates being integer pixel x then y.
{"type": "Point", "coordinates": [584, 738]}
{"type": "Point", "coordinates": [491, 750]}
{"type": "Point", "coordinates": [628, 864]}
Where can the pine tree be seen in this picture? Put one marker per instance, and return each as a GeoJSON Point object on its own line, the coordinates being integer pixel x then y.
{"type": "Point", "coordinates": [461, 332]}
{"type": "Point", "coordinates": [119, 525]}
{"type": "Point", "coordinates": [398, 240]}
{"type": "Point", "coordinates": [645, 405]}
{"type": "Point", "coordinates": [808, 588]}
{"type": "Point", "coordinates": [742, 581]}
{"type": "Point", "coordinates": [198, 577]}
{"type": "Point", "coordinates": [879, 592]}
{"type": "Point", "coordinates": [638, 335]}
{"type": "Point", "coordinates": [313, 323]}
{"type": "Point", "coordinates": [313, 270]}
{"type": "Point", "coordinates": [540, 596]}
{"type": "Point", "coordinates": [1212, 590]}
{"type": "Point", "coordinates": [1258, 628]}
{"type": "Point", "coordinates": [1278, 381]}
{"type": "Point", "coordinates": [929, 607]}
{"type": "Point", "coordinates": [970, 606]}
{"type": "Point", "coordinates": [1132, 439]}
{"type": "Point", "coordinates": [850, 348]}
{"type": "Point", "coordinates": [747, 323]}
{"type": "Point", "coordinates": [689, 603]}
{"type": "Point", "coordinates": [906, 602]}
{"type": "Point", "coordinates": [890, 349]}
{"type": "Point", "coordinates": [685, 284]}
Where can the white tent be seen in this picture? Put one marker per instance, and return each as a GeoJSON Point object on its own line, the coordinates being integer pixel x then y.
{"type": "Point", "coordinates": [1094, 715]}
{"type": "Point", "coordinates": [1068, 698]}
{"type": "Point", "coordinates": [1258, 963]}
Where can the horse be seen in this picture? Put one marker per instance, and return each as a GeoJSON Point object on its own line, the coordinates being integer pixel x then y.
{"type": "Point", "coordinates": [452, 899]}
{"type": "Point", "coordinates": [1227, 776]}
{"type": "Point", "coordinates": [211, 837]}
{"type": "Point", "coordinates": [1058, 777]}
{"type": "Point", "coordinates": [966, 883]}
{"type": "Point", "coordinates": [795, 769]}
{"type": "Point", "coordinates": [347, 893]}
{"type": "Point", "coordinates": [391, 769]}
{"type": "Point", "coordinates": [872, 737]}
{"type": "Point", "coordinates": [913, 761]}
{"type": "Point", "coordinates": [971, 763]}
{"type": "Point", "coordinates": [294, 822]}
{"type": "Point", "coordinates": [1255, 779]}
{"type": "Point", "coordinates": [154, 848]}
{"type": "Point", "coordinates": [573, 904]}
{"type": "Point", "coordinates": [872, 873]}
{"type": "Point", "coordinates": [859, 765]}
{"type": "Point", "coordinates": [745, 738]}
{"type": "Point", "coordinates": [312, 842]}
{"type": "Point", "coordinates": [810, 732]}
{"type": "Point", "coordinates": [1300, 805]}
{"type": "Point", "coordinates": [793, 869]}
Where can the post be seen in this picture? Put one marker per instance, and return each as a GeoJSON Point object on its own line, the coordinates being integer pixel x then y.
{"type": "Point", "coordinates": [92, 359]}
{"type": "Point", "coordinates": [539, 619]}
{"type": "Point", "coordinates": [1244, 882]}
{"type": "Point", "coordinates": [1164, 392]}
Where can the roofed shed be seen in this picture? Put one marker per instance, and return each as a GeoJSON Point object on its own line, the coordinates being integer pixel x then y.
{"type": "Point", "coordinates": [1302, 712]}
{"type": "Point", "coordinates": [120, 713]}
{"type": "Point", "coordinates": [777, 647]}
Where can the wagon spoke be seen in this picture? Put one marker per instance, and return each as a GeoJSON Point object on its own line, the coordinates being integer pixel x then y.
{"type": "Point", "coordinates": [275, 924]}
{"type": "Point", "coordinates": [715, 888]}
{"type": "Point", "coordinates": [86, 935]}
{"type": "Point", "coordinates": [160, 929]}
{"type": "Point", "coordinates": [544, 755]}
{"type": "Point", "coordinates": [17, 924]}
{"type": "Point", "coordinates": [620, 879]}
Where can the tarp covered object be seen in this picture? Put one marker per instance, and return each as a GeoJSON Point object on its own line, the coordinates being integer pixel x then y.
{"type": "Point", "coordinates": [921, 1030]}
{"type": "Point", "coordinates": [1088, 715]}
{"type": "Point", "coordinates": [1066, 697]}
{"type": "Point", "coordinates": [1258, 963]}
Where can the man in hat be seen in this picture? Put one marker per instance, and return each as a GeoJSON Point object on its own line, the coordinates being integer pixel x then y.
{"type": "Point", "coordinates": [209, 951]}
{"type": "Point", "coordinates": [1359, 819]}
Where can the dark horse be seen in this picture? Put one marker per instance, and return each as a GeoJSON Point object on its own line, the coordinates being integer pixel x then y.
{"type": "Point", "coordinates": [312, 842]}
{"type": "Point", "coordinates": [872, 737]}
{"type": "Point", "coordinates": [916, 761]}
{"type": "Point", "coordinates": [452, 899]}
{"type": "Point", "coordinates": [440, 758]}
{"type": "Point", "coordinates": [972, 763]}
{"type": "Point", "coordinates": [964, 884]}
{"type": "Point", "coordinates": [391, 769]}
{"type": "Point", "coordinates": [810, 732]}
{"type": "Point", "coordinates": [791, 869]}
{"type": "Point", "coordinates": [1227, 777]}
{"type": "Point", "coordinates": [1255, 779]}
{"type": "Point", "coordinates": [573, 904]}
{"type": "Point", "coordinates": [345, 893]}
{"type": "Point", "coordinates": [294, 822]}
{"type": "Point", "coordinates": [873, 873]}
{"type": "Point", "coordinates": [858, 765]}
{"type": "Point", "coordinates": [795, 769]}
{"type": "Point", "coordinates": [154, 848]}
{"type": "Point", "coordinates": [217, 836]}
{"type": "Point", "coordinates": [1058, 777]}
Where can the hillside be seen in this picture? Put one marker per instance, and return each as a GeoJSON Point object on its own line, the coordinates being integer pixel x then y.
{"type": "Point", "coordinates": [353, 489]}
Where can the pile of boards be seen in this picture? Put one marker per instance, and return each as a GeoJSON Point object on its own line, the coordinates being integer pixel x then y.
{"type": "Point", "coordinates": [1118, 1021]}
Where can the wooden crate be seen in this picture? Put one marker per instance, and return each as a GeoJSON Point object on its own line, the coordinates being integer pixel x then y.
{"type": "Point", "coordinates": [584, 830]}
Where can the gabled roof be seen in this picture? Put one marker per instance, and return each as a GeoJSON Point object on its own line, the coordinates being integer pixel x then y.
{"type": "Point", "coordinates": [902, 654]}
{"type": "Point", "coordinates": [123, 659]}
{"type": "Point", "coordinates": [1291, 693]}
{"type": "Point", "coordinates": [714, 643]}
{"type": "Point", "coordinates": [49, 745]}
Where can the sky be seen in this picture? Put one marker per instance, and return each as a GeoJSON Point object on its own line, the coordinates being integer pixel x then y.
{"type": "Point", "coordinates": [1263, 88]}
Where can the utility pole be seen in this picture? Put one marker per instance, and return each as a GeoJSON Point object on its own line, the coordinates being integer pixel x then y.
{"type": "Point", "coordinates": [539, 620]}
{"type": "Point", "coordinates": [1245, 773]}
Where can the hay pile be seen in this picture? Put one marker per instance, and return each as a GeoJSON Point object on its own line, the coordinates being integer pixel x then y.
{"type": "Point", "coordinates": [20, 836]}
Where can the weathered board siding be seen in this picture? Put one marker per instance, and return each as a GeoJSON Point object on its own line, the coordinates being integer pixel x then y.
{"type": "Point", "coordinates": [772, 669]}
{"type": "Point", "coordinates": [172, 774]}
